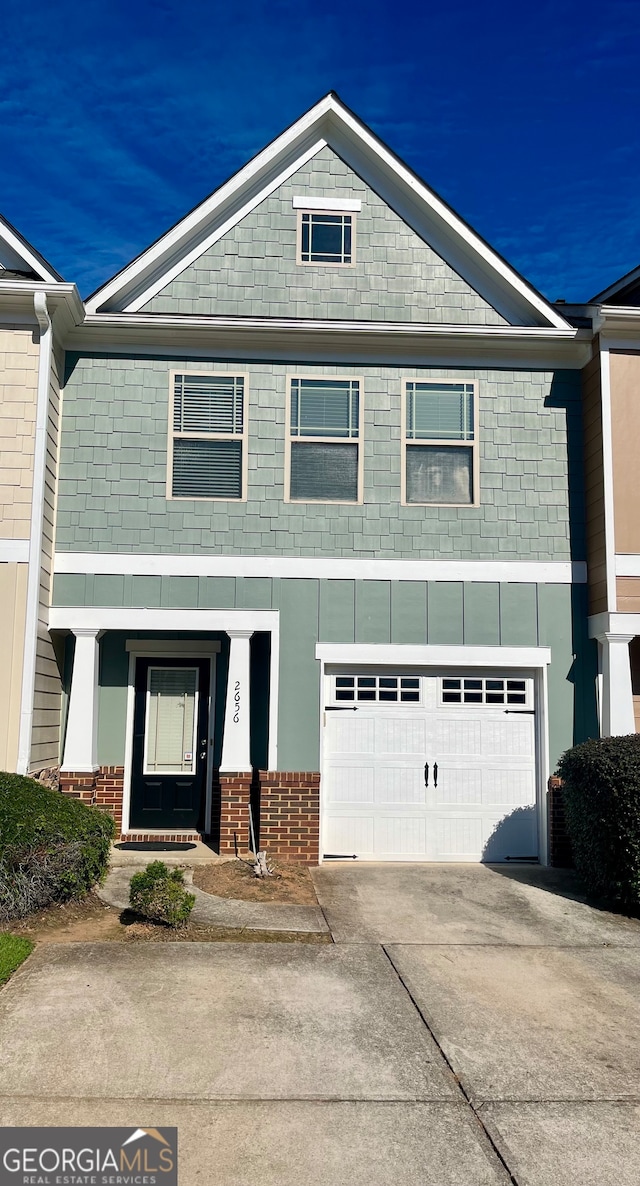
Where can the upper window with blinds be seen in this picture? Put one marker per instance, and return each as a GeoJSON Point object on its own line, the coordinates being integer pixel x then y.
{"type": "Point", "coordinates": [324, 441]}
{"type": "Point", "coordinates": [440, 444]}
{"type": "Point", "coordinates": [207, 454]}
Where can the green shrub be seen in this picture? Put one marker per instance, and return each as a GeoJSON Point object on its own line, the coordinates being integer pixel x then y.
{"type": "Point", "coordinates": [13, 950]}
{"type": "Point", "coordinates": [602, 807]}
{"type": "Point", "coordinates": [158, 893]}
{"type": "Point", "coordinates": [52, 847]}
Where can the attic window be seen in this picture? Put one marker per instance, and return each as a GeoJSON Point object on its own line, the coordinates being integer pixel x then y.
{"type": "Point", "coordinates": [325, 237]}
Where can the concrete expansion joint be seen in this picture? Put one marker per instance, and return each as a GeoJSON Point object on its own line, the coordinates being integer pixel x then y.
{"type": "Point", "coordinates": [484, 1135]}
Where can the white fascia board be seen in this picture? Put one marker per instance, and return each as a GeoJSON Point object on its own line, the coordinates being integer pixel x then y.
{"type": "Point", "coordinates": [322, 568]}
{"type": "Point", "coordinates": [191, 256]}
{"type": "Point", "coordinates": [189, 226]}
{"type": "Point", "coordinates": [447, 216]}
{"type": "Point", "coordinates": [407, 655]}
{"type": "Point", "coordinates": [627, 565]}
{"type": "Point", "coordinates": [24, 253]}
{"type": "Point", "coordinates": [185, 620]}
{"type": "Point", "coordinates": [300, 202]}
{"type": "Point", "coordinates": [325, 114]}
{"type": "Point", "coordinates": [14, 551]}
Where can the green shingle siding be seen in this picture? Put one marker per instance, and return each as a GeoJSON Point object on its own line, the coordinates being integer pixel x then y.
{"type": "Point", "coordinates": [112, 495]}
{"type": "Point", "coordinates": [252, 270]}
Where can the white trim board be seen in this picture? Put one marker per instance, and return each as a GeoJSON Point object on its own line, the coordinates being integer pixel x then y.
{"type": "Point", "coordinates": [552, 572]}
{"type": "Point", "coordinates": [627, 565]}
{"type": "Point", "coordinates": [14, 551]}
{"type": "Point", "coordinates": [346, 204]}
{"type": "Point", "coordinates": [407, 655]}
{"type": "Point", "coordinates": [117, 618]}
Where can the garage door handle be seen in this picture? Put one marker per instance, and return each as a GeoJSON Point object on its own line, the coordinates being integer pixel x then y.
{"type": "Point", "coordinates": [435, 774]}
{"type": "Point", "coordinates": [426, 774]}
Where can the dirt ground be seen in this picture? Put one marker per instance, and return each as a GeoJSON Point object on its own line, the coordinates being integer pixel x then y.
{"type": "Point", "coordinates": [91, 921]}
{"type": "Point", "coordinates": [290, 882]}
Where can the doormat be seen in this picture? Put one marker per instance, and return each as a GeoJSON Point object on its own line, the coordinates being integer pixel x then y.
{"type": "Point", "coordinates": [154, 846]}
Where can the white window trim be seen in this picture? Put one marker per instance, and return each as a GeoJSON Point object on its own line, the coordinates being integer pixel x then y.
{"type": "Point", "coordinates": [406, 443]}
{"type": "Point", "coordinates": [331, 205]}
{"type": "Point", "coordinates": [358, 441]}
{"type": "Point", "coordinates": [311, 263]}
{"type": "Point", "coordinates": [243, 437]}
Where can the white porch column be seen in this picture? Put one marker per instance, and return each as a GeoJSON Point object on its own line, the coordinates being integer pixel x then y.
{"type": "Point", "coordinates": [236, 742]}
{"type": "Point", "coordinates": [80, 747]}
{"type": "Point", "coordinates": [617, 695]}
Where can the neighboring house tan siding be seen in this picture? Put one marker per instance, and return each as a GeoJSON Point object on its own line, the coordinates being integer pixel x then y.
{"type": "Point", "coordinates": [18, 392]}
{"type": "Point", "coordinates": [628, 595]}
{"type": "Point", "coordinates": [13, 600]}
{"type": "Point", "coordinates": [45, 737]}
{"type": "Point", "coordinates": [634, 654]}
{"type": "Point", "coordinates": [625, 435]}
{"type": "Point", "coordinates": [594, 484]}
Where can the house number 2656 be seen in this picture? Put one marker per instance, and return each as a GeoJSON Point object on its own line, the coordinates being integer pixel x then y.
{"type": "Point", "coordinates": [236, 705]}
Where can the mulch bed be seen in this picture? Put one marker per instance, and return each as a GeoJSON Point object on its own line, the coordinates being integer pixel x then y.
{"type": "Point", "coordinates": [290, 882]}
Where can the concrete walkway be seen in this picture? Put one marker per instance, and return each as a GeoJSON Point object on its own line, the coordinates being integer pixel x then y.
{"type": "Point", "coordinates": [469, 1027]}
{"type": "Point", "coordinates": [210, 910]}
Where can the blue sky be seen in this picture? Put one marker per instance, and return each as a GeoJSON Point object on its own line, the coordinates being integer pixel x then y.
{"type": "Point", "coordinates": [117, 117]}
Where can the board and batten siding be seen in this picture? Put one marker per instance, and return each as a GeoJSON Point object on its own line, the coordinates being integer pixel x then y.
{"type": "Point", "coordinates": [346, 611]}
{"type": "Point", "coordinates": [112, 478]}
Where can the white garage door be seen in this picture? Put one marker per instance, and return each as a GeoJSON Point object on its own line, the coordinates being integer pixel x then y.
{"type": "Point", "coordinates": [432, 767]}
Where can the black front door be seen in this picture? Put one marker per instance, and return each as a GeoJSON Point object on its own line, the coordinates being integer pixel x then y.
{"type": "Point", "coordinates": [170, 744]}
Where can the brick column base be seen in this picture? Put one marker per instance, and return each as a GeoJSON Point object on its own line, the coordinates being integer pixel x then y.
{"type": "Point", "coordinates": [290, 815]}
{"type": "Point", "coordinates": [560, 855]}
{"type": "Point", "coordinates": [103, 788]}
{"type": "Point", "coordinates": [235, 791]}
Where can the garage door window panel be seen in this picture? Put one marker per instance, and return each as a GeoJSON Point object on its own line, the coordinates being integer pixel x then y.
{"type": "Point", "coordinates": [440, 444]}
{"type": "Point", "coordinates": [324, 440]}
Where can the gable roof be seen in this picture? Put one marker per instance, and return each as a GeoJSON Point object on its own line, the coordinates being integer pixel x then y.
{"type": "Point", "coordinates": [328, 122]}
{"type": "Point", "coordinates": [626, 290]}
{"type": "Point", "coordinates": [20, 261]}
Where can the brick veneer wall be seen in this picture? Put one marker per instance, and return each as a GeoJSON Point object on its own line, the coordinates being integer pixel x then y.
{"type": "Point", "coordinates": [560, 855]}
{"type": "Point", "coordinates": [290, 815]}
{"type": "Point", "coordinates": [235, 793]}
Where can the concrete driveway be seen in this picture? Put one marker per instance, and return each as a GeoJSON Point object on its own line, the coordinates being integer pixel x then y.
{"type": "Point", "coordinates": [532, 996]}
{"type": "Point", "coordinates": [467, 1028]}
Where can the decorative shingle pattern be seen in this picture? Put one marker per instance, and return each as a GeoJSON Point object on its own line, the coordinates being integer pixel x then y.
{"type": "Point", "coordinates": [252, 270]}
{"type": "Point", "coordinates": [112, 489]}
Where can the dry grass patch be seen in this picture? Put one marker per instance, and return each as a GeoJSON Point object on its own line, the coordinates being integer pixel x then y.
{"type": "Point", "coordinates": [233, 879]}
{"type": "Point", "coordinates": [91, 921]}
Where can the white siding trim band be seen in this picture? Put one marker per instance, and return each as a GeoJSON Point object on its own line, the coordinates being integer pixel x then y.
{"type": "Point", "coordinates": [320, 567]}
{"type": "Point", "coordinates": [14, 551]}
{"type": "Point", "coordinates": [626, 566]}
{"type": "Point", "coordinates": [407, 655]}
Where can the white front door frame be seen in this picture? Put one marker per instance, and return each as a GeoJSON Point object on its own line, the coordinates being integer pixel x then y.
{"type": "Point", "coordinates": [533, 659]}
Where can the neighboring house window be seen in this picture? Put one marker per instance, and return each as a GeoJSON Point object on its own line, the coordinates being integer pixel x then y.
{"type": "Point", "coordinates": [325, 237]}
{"type": "Point", "coordinates": [440, 443]}
{"type": "Point", "coordinates": [324, 458]}
{"type": "Point", "coordinates": [207, 455]}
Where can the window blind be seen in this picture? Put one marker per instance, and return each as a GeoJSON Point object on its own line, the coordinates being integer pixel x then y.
{"type": "Point", "coordinates": [440, 412]}
{"type": "Point", "coordinates": [171, 718]}
{"type": "Point", "coordinates": [207, 468]}
{"type": "Point", "coordinates": [324, 408]}
{"type": "Point", "coordinates": [208, 403]}
{"type": "Point", "coordinates": [322, 472]}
